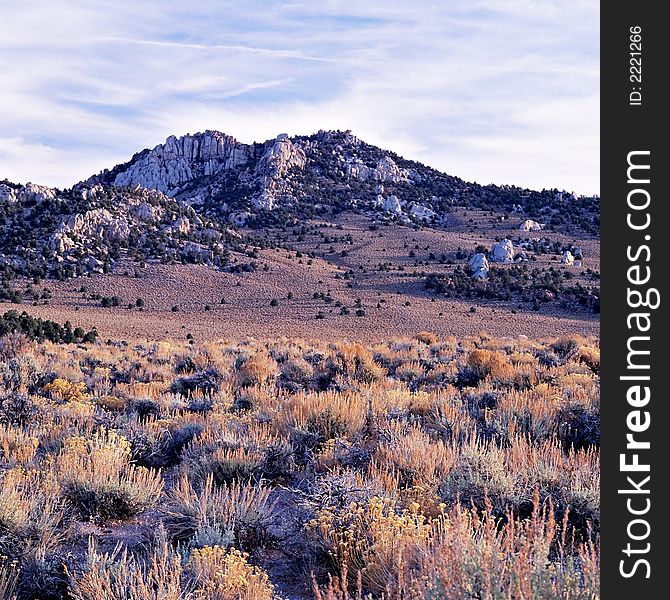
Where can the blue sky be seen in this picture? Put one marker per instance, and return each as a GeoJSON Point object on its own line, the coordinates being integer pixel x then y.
{"type": "Point", "coordinates": [502, 91]}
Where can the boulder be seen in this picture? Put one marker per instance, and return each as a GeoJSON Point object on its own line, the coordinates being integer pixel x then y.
{"type": "Point", "coordinates": [567, 258]}
{"type": "Point", "coordinates": [198, 252]}
{"type": "Point", "coordinates": [502, 252]}
{"type": "Point", "coordinates": [357, 169]}
{"type": "Point", "coordinates": [146, 212]}
{"type": "Point", "coordinates": [385, 170]}
{"type": "Point", "coordinates": [93, 265]}
{"type": "Point", "coordinates": [480, 266]}
{"type": "Point", "coordinates": [421, 212]}
{"type": "Point", "coordinates": [87, 193]}
{"type": "Point", "coordinates": [530, 225]}
{"type": "Point", "coordinates": [82, 229]}
{"type": "Point", "coordinates": [265, 200]}
{"type": "Point", "coordinates": [232, 233]}
{"type": "Point", "coordinates": [182, 225]}
{"type": "Point", "coordinates": [388, 170]}
{"type": "Point", "coordinates": [392, 205]}
{"type": "Point", "coordinates": [7, 194]}
{"type": "Point", "coordinates": [280, 157]}
{"type": "Point", "coordinates": [37, 193]}
{"type": "Point", "coordinates": [59, 242]}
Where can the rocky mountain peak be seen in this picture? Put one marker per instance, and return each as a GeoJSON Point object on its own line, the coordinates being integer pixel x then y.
{"type": "Point", "coordinates": [31, 192]}
{"type": "Point", "coordinates": [182, 159]}
{"type": "Point", "coordinates": [280, 155]}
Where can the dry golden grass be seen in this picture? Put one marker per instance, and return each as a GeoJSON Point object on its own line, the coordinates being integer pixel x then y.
{"type": "Point", "coordinates": [420, 468]}
{"type": "Point", "coordinates": [118, 574]}
{"type": "Point", "coordinates": [99, 480]}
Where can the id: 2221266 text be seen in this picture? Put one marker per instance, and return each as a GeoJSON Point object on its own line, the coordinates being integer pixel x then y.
{"type": "Point", "coordinates": [635, 66]}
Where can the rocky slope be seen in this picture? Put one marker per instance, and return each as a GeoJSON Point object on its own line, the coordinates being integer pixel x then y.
{"type": "Point", "coordinates": [47, 232]}
{"type": "Point", "coordinates": [179, 201]}
{"type": "Point", "coordinates": [328, 171]}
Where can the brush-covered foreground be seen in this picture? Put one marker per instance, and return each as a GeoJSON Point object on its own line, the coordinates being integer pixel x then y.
{"type": "Point", "coordinates": [418, 469]}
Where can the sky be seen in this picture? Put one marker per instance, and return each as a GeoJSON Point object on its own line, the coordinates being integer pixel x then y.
{"type": "Point", "coordinates": [493, 91]}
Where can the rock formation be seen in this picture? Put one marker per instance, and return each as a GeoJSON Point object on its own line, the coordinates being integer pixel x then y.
{"type": "Point", "coordinates": [31, 192]}
{"type": "Point", "coordinates": [567, 258]}
{"type": "Point", "coordinates": [281, 156]}
{"type": "Point", "coordinates": [7, 194]}
{"type": "Point", "coordinates": [421, 212]}
{"type": "Point", "coordinates": [392, 205]}
{"type": "Point", "coordinates": [502, 252]}
{"type": "Point", "coordinates": [180, 160]}
{"type": "Point", "coordinates": [194, 188]}
{"type": "Point", "coordinates": [480, 266]}
{"type": "Point", "coordinates": [530, 225]}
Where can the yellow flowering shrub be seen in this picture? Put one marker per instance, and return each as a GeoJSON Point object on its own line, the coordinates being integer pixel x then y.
{"type": "Point", "coordinates": [66, 391]}
{"type": "Point", "coordinates": [222, 574]}
{"type": "Point", "coordinates": [112, 403]}
{"type": "Point", "coordinates": [374, 539]}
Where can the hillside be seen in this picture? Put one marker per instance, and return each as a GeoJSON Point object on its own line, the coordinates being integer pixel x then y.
{"type": "Point", "coordinates": [319, 233]}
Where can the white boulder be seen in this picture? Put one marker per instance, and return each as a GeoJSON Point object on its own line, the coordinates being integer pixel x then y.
{"type": "Point", "coordinates": [502, 252]}
{"type": "Point", "coordinates": [92, 192]}
{"type": "Point", "coordinates": [419, 211]}
{"type": "Point", "coordinates": [388, 170]}
{"type": "Point", "coordinates": [530, 225]}
{"type": "Point", "coordinates": [146, 212]}
{"type": "Point", "coordinates": [37, 193]}
{"type": "Point", "coordinates": [93, 264]}
{"type": "Point", "coordinates": [7, 194]}
{"type": "Point", "coordinates": [357, 169]}
{"type": "Point", "coordinates": [480, 266]}
{"type": "Point", "coordinates": [392, 205]}
{"type": "Point", "coordinates": [567, 258]}
{"type": "Point", "coordinates": [280, 157]}
{"type": "Point", "coordinates": [265, 200]}
{"type": "Point", "coordinates": [199, 252]}
{"type": "Point", "coordinates": [59, 242]}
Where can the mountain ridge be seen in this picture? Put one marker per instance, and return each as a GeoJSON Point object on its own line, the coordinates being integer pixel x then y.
{"type": "Point", "coordinates": [183, 199]}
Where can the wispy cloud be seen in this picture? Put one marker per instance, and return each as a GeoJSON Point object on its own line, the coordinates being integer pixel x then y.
{"type": "Point", "coordinates": [501, 91]}
{"type": "Point", "coordinates": [226, 47]}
